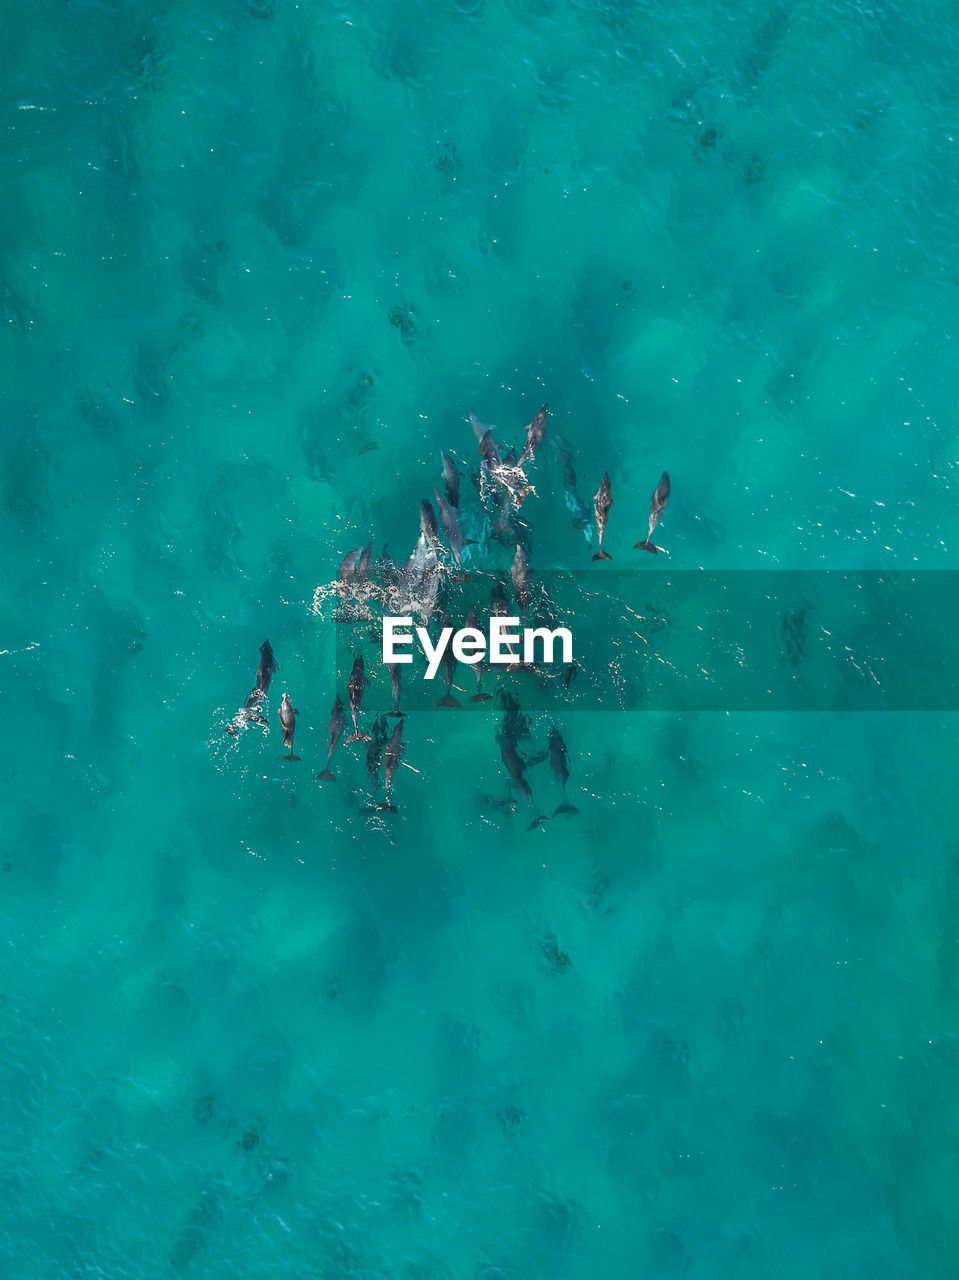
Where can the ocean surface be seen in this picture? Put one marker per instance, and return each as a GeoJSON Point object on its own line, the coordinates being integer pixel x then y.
{"type": "Point", "coordinates": [258, 263]}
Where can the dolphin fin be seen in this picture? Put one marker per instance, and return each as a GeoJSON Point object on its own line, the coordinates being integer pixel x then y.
{"type": "Point", "coordinates": [542, 817]}
{"type": "Point", "coordinates": [646, 546]}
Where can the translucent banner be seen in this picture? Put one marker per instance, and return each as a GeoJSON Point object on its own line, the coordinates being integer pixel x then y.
{"type": "Point", "coordinates": [673, 641]}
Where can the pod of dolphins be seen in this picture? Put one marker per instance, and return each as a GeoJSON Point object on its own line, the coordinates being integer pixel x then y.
{"type": "Point", "coordinates": [421, 588]}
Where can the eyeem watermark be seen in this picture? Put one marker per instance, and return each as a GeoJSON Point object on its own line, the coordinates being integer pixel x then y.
{"type": "Point", "coordinates": [688, 640]}
{"type": "Point", "coordinates": [470, 645]}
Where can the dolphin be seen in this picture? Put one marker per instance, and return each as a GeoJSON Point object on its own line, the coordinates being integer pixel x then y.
{"type": "Point", "coordinates": [267, 667]}
{"type": "Point", "coordinates": [448, 667]}
{"type": "Point", "coordinates": [493, 802]}
{"type": "Point", "coordinates": [249, 711]}
{"type": "Point", "coordinates": [449, 519]}
{"type": "Point", "coordinates": [391, 760]}
{"type": "Point", "coordinates": [513, 479]}
{"type": "Point", "coordinates": [395, 687]}
{"type": "Point", "coordinates": [361, 580]}
{"type": "Point", "coordinates": [421, 581]}
{"type": "Point", "coordinates": [346, 574]}
{"type": "Point", "coordinates": [574, 503]}
{"type": "Point", "coordinates": [374, 752]}
{"type": "Point", "coordinates": [488, 448]}
{"type": "Point", "coordinates": [534, 435]}
{"type": "Point", "coordinates": [602, 501]}
{"type": "Point", "coordinates": [656, 507]}
{"type": "Point", "coordinates": [451, 479]}
{"type": "Point", "coordinates": [355, 686]}
{"type": "Point", "coordinates": [337, 720]}
{"type": "Point", "coordinates": [503, 531]}
{"type": "Point", "coordinates": [257, 697]}
{"type": "Point", "coordinates": [514, 765]}
{"type": "Point", "coordinates": [489, 452]}
{"type": "Point", "coordinates": [288, 714]}
{"type": "Point", "coordinates": [499, 603]}
{"type": "Point", "coordinates": [480, 429]}
{"type": "Point", "coordinates": [479, 695]}
{"type": "Point", "coordinates": [520, 576]}
{"type": "Point", "coordinates": [386, 570]}
{"type": "Point", "coordinates": [365, 563]}
{"type": "Point", "coordinates": [557, 761]}
{"type": "Point", "coordinates": [428, 525]}
{"type": "Point", "coordinates": [515, 725]}
{"type": "Point", "coordinates": [511, 476]}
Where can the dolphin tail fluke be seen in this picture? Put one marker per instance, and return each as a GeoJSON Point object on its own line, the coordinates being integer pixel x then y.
{"type": "Point", "coordinates": [566, 808]}
{"type": "Point", "coordinates": [327, 776]}
{"type": "Point", "coordinates": [448, 701]}
{"type": "Point", "coordinates": [646, 546]}
{"type": "Point", "coordinates": [397, 714]}
{"type": "Point", "coordinates": [386, 807]}
{"type": "Point", "coordinates": [541, 817]}
{"type": "Point", "coordinates": [602, 555]}
{"type": "Point", "coordinates": [291, 756]}
{"type": "Point", "coordinates": [358, 737]}
{"type": "Point", "coordinates": [481, 697]}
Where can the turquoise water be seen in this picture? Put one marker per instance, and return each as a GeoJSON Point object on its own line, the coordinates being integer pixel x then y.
{"type": "Point", "coordinates": [258, 262]}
